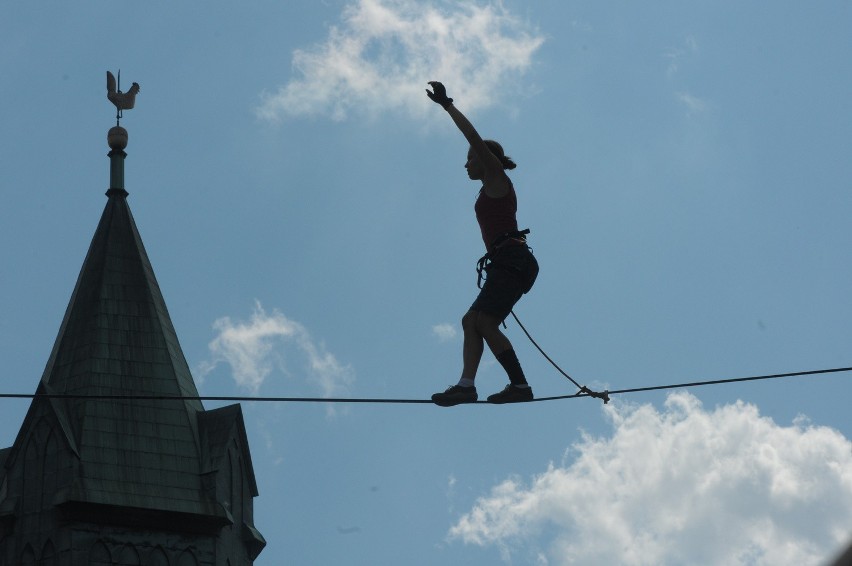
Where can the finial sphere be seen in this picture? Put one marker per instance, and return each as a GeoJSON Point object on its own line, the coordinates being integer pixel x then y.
{"type": "Point", "coordinates": [117, 137]}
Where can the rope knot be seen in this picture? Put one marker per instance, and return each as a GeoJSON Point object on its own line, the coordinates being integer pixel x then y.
{"type": "Point", "coordinates": [603, 396]}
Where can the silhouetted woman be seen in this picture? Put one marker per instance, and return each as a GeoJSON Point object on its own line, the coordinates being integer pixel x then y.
{"type": "Point", "coordinates": [509, 263]}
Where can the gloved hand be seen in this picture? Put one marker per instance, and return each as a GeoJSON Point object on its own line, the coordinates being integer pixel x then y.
{"type": "Point", "coordinates": [439, 96]}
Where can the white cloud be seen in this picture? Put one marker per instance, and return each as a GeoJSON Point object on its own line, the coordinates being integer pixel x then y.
{"type": "Point", "coordinates": [384, 52]}
{"type": "Point", "coordinates": [445, 332]}
{"type": "Point", "coordinates": [255, 348]}
{"type": "Point", "coordinates": [681, 486]}
{"type": "Point", "coordinates": [693, 104]}
{"type": "Point", "coordinates": [677, 55]}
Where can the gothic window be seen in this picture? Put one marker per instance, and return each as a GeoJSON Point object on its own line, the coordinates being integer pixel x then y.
{"type": "Point", "coordinates": [28, 556]}
{"type": "Point", "coordinates": [241, 495]}
{"type": "Point", "coordinates": [40, 469]}
{"type": "Point", "coordinates": [235, 481]}
{"type": "Point", "coordinates": [187, 559]}
{"type": "Point", "coordinates": [99, 555]}
{"type": "Point", "coordinates": [50, 474]}
{"type": "Point", "coordinates": [229, 483]}
{"type": "Point", "coordinates": [128, 556]}
{"type": "Point", "coordinates": [31, 476]}
{"type": "Point", "coordinates": [157, 558]}
{"type": "Point", "coordinates": [48, 555]}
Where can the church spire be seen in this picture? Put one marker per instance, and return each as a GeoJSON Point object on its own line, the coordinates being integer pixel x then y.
{"type": "Point", "coordinates": [117, 457]}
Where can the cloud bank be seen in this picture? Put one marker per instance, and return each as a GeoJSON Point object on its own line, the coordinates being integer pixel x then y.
{"type": "Point", "coordinates": [384, 51]}
{"type": "Point", "coordinates": [681, 486]}
{"type": "Point", "coordinates": [254, 348]}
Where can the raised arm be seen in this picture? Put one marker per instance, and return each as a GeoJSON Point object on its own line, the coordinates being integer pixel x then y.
{"type": "Point", "coordinates": [495, 181]}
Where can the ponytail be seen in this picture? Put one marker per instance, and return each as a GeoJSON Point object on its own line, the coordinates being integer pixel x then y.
{"type": "Point", "coordinates": [497, 150]}
{"type": "Point", "coordinates": [508, 163]}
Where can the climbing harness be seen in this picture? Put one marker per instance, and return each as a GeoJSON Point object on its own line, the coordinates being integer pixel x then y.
{"type": "Point", "coordinates": [485, 261]}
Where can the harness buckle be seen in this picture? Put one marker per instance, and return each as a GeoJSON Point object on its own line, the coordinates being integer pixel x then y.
{"type": "Point", "coordinates": [485, 261]}
{"type": "Point", "coordinates": [517, 235]}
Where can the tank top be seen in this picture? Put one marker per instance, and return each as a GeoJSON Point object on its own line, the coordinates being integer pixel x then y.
{"type": "Point", "coordinates": [496, 216]}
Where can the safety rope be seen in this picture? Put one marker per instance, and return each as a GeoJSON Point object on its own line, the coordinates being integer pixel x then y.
{"type": "Point", "coordinates": [604, 396]}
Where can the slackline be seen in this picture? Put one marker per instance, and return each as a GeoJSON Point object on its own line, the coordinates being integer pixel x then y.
{"type": "Point", "coordinates": [118, 397]}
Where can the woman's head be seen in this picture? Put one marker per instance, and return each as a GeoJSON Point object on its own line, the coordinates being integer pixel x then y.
{"type": "Point", "coordinates": [475, 168]}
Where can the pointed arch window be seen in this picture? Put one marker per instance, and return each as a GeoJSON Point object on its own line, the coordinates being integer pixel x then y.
{"type": "Point", "coordinates": [48, 555]}
{"type": "Point", "coordinates": [50, 470]}
{"type": "Point", "coordinates": [157, 557]}
{"type": "Point", "coordinates": [28, 556]}
{"type": "Point", "coordinates": [40, 468]}
{"type": "Point", "coordinates": [229, 483]}
{"type": "Point", "coordinates": [240, 490]}
{"type": "Point", "coordinates": [128, 556]}
{"type": "Point", "coordinates": [187, 558]}
{"type": "Point", "coordinates": [99, 555]}
{"type": "Point", "coordinates": [236, 482]}
{"type": "Point", "coordinates": [31, 477]}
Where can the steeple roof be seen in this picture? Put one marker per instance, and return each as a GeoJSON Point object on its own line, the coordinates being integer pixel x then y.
{"type": "Point", "coordinates": [116, 446]}
{"type": "Point", "coordinates": [117, 339]}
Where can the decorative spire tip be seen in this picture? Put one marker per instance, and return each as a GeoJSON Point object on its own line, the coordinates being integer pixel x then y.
{"type": "Point", "coordinates": [117, 138]}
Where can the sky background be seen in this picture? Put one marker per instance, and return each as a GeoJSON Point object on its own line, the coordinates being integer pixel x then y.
{"type": "Point", "coordinates": [684, 167]}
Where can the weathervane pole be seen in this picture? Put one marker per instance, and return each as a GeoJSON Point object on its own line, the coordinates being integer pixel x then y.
{"type": "Point", "coordinates": [118, 113]}
{"type": "Point", "coordinates": [117, 136]}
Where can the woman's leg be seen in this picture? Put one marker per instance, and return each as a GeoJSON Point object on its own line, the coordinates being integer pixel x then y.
{"type": "Point", "coordinates": [479, 329]}
{"type": "Point", "coordinates": [488, 327]}
{"type": "Point", "coordinates": [473, 345]}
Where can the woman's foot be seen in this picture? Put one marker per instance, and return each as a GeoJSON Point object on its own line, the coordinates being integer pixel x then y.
{"type": "Point", "coordinates": [455, 395]}
{"type": "Point", "coordinates": [512, 394]}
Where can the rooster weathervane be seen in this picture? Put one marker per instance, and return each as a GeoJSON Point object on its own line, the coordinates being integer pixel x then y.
{"type": "Point", "coordinates": [122, 100]}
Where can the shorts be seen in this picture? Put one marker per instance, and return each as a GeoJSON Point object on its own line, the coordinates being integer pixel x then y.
{"type": "Point", "coordinates": [510, 274]}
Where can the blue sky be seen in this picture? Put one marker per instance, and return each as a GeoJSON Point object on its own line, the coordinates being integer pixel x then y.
{"type": "Point", "coordinates": [683, 167]}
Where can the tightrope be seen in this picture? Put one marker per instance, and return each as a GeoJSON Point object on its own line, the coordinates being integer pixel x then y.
{"type": "Point", "coordinates": [118, 397]}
